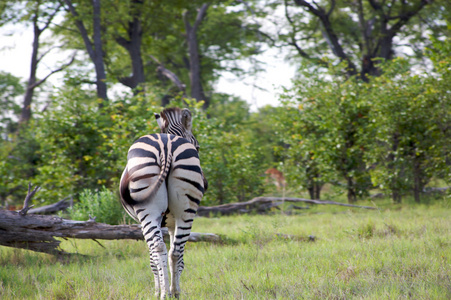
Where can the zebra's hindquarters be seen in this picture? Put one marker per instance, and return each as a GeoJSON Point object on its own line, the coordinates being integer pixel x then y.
{"type": "Point", "coordinates": [163, 183]}
{"type": "Point", "coordinates": [145, 198]}
{"type": "Point", "coordinates": [185, 190]}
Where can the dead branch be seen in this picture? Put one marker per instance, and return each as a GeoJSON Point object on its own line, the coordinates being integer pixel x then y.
{"type": "Point", "coordinates": [52, 208]}
{"type": "Point", "coordinates": [263, 204]}
{"type": "Point", "coordinates": [30, 194]}
{"type": "Point", "coordinates": [290, 237]}
{"type": "Point", "coordinates": [170, 75]}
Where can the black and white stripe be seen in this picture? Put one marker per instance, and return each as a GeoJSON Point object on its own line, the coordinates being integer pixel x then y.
{"type": "Point", "coordinates": [177, 121]}
{"type": "Point", "coordinates": [162, 185]}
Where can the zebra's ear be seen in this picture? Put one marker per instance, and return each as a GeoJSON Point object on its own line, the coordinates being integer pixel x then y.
{"type": "Point", "coordinates": [159, 121]}
{"type": "Point", "coordinates": [186, 119]}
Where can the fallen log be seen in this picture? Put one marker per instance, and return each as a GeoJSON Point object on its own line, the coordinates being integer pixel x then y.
{"type": "Point", "coordinates": [263, 204]}
{"type": "Point", "coordinates": [52, 208]}
{"type": "Point", "coordinates": [39, 232]}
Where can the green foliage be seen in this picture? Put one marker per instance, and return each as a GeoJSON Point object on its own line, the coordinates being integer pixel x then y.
{"type": "Point", "coordinates": [231, 160]}
{"type": "Point", "coordinates": [409, 116]}
{"type": "Point", "coordinates": [104, 205]}
{"type": "Point", "coordinates": [233, 168]}
{"type": "Point", "coordinates": [74, 146]}
{"type": "Point", "coordinates": [10, 89]}
{"type": "Point", "coordinates": [323, 123]}
{"type": "Point", "coordinates": [392, 130]}
{"type": "Point", "coordinates": [18, 166]}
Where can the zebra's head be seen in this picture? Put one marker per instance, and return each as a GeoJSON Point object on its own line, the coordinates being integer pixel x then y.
{"type": "Point", "coordinates": [178, 122]}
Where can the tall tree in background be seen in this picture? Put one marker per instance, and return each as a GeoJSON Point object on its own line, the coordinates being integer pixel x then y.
{"type": "Point", "coordinates": [197, 91]}
{"type": "Point", "coordinates": [358, 32]}
{"type": "Point", "coordinates": [94, 47]}
{"type": "Point", "coordinates": [131, 40]}
{"type": "Point", "coordinates": [40, 14]}
{"type": "Point", "coordinates": [170, 45]}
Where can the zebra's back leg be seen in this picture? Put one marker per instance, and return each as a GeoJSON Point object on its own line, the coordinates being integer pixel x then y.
{"type": "Point", "coordinates": [176, 263]}
{"type": "Point", "coordinates": [184, 210]}
{"type": "Point", "coordinates": [150, 215]}
{"type": "Point", "coordinates": [170, 224]}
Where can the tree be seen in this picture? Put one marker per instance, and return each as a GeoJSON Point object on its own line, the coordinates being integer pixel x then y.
{"type": "Point", "coordinates": [324, 123]}
{"type": "Point", "coordinates": [410, 126]}
{"type": "Point", "coordinates": [360, 33]}
{"type": "Point", "coordinates": [197, 91]}
{"type": "Point", "coordinates": [94, 47]}
{"type": "Point", "coordinates": [41, 15]}
{"type": "Point", "coordinates": [10, 89]}
{"type": "Point", "coordinates": [174, 46]}
{"type": "Point", "coordinates": [132, 42]}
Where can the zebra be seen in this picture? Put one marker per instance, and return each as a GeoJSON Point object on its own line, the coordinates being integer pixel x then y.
{"type": "Point", "coordinates": [170, 157]}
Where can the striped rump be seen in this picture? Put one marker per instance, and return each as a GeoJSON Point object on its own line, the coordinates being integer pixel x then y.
{"type": "Point", "coordinates": [162, 185]}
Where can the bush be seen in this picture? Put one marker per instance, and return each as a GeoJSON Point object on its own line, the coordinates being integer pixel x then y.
{"type": "Point", "coordinates": [103, 204]}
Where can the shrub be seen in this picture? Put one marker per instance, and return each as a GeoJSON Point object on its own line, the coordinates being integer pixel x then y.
{"type": "Point", "coordinates": [103, 204]}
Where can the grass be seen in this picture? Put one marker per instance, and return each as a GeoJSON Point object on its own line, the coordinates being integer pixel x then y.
{"type": "Point", "coordinates": [401, 253]}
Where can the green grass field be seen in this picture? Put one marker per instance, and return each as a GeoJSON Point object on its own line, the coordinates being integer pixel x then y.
{"type": "Point", "coordinates": [399, 252]}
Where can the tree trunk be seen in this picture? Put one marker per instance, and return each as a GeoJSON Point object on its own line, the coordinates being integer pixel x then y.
{"type": "Point", "coordinates": [317, 190]}
{"type": "Point", "coordinates": [396, 196]}
{"type": "Point", "coordinates": [133, 46]}
{"type": "Point", "coordinates": [352, 196]}
{"type": "Point", "coordinates": [314, 185]}
{"type": "Point", "coordinates": [28, 98]}
{"type": "Point", "coordinates": [311, 191]}
{"type": "Point", "coordinates": [197, 91]}
{"type": "Point", "coordinates": [396, 193]}
{"type": "Point", "coordinates": [32, 81]}
{"type": "Point", "coordinates": [98, 53]}
{"type": "Point", "coordinates": [38, 233]}
{"type": "Point", "coordinates": [94, 49]}
{"type": "Point", "coordinates": [417, 177]}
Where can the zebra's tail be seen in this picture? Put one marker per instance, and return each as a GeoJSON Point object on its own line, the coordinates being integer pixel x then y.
{"type": "Point", "coordinates": [127, 195]}
{"type": "Point", "coordinates": [124, 193]}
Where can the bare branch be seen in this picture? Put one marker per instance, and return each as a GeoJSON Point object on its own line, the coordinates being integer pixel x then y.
{"type": "Point", "coordinates": [329, 34]}
{"type": "Point", "coordinates": [263, 204]}
{"type": "Point", "coordinates": [52, 208]}
{"type": "Point", "coordinates": [170, 75]}
{"type": "Point", "coordinates": [406, 16]}
{"type": "Point", "coordinates": [332, 7]}
{"type": "Point", "coordinates": [46, 52]}
{"type": "Point", "coordinates": [200, 15]}
{"type": "Point", "coordinates": [363, 25]}
{"type": "Point", "coordinates": [51, 16]}
{"type": "Point", "coordinates": [30, 195]}
{"type": "Point", "coordinates": [53, 72]}
{"type": "Point", "coordinates": [294, 42]}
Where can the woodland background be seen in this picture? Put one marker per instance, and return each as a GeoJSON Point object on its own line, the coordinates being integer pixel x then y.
{"type": "Point", "coordinates": [368, 112]}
